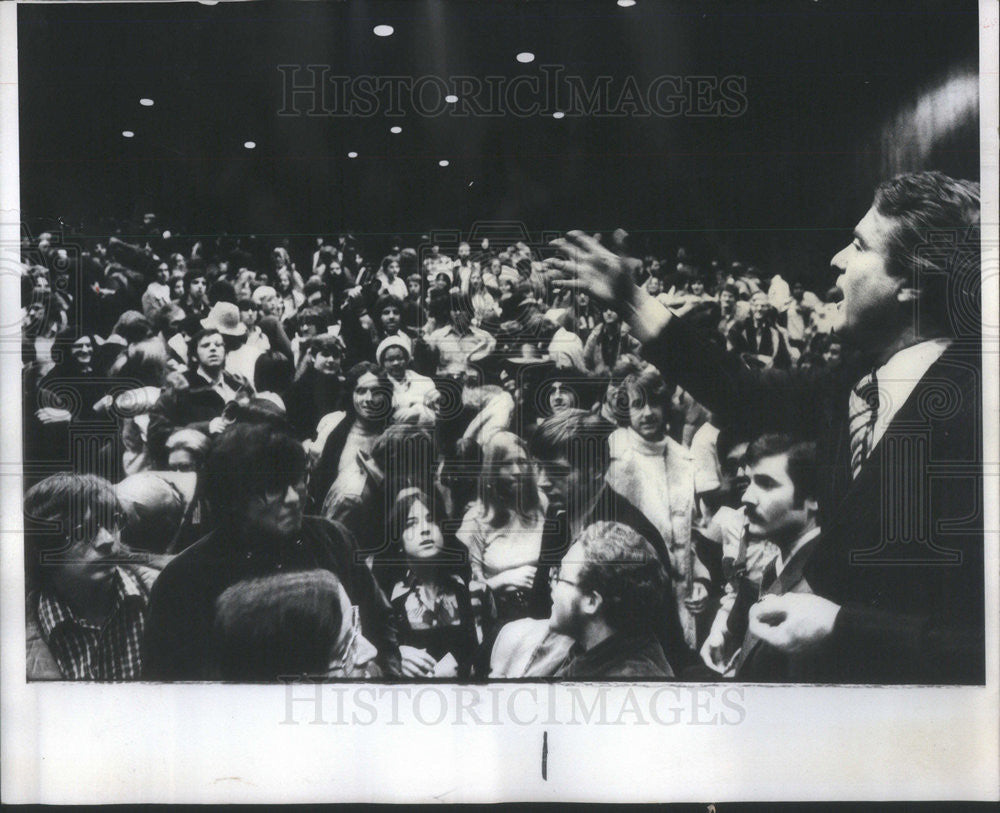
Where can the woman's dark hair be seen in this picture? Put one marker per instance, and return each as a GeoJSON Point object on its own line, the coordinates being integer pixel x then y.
{"type": "Point", "coordinates": [283, 625]}
{"type": "Point", "coordinates": [222, 290]}
{"type": "Point", "coordinates": [144, 362]}
{"type": "Point", "coordinates": [246, 460]}
{"type": "Point", "coordinates": [273, 372]}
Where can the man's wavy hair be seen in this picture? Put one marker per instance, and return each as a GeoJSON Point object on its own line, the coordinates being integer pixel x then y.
{"type": "Point", "coordinates": [936, 245]}
{"type": "Point", "coordinates": [623, 568]}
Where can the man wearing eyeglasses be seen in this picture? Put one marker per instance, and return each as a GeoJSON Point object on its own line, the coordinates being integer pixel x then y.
{"type": "Point", "coordinates": [88, 596]}
{"type": "Point", "coordinates": [608, 588]}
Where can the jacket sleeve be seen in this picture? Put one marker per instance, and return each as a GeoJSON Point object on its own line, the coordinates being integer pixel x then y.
{"type": "Point", "coordinates": [162, 419]}
{"type": "Point", "coordinates": [720, 381]}
{"type": "Point", "coordinates": [378, 621]}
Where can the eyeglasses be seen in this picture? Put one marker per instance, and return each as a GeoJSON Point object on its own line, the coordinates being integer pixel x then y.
{"type": "Point", "coordinates": [555, 577]}
{"type": "Point", "coordinates": [86, 530]}
{"type": "Point", "coordinates": [275, 492]}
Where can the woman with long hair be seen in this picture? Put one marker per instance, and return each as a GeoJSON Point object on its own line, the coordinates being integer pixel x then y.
{"type": "Point", "coordinates": [502, 530]}
{"type": "Point", "coordinates": [436, 618]}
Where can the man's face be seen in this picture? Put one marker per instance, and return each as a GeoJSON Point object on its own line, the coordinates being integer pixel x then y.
{"type": "Point", "coordinates": [798, 291]}
{"type": "Point", "coordinates": [831, 356]}
{"type": "Point", "coordinates": [277, 512]}
{"type": "Point", "coordinates": [91, 556]}
{"type": "Point", "coordinates": [770, 503]}
{"type": "Point", "coordinates": [413, 287]}
{"type": "Point", "coordinates": [211, 351]}
{"type": "Point", "coordinates": [610, 317]}
{"type": "Point", "coordinates": [647, 418]}
{"type": "Point", "coordinates": [83, 350]}
{"type": "Point", "coordinates": [460, 319]}
{"type": "Point", "coordinates": [734, 474]}
{"type": "Point", "coordinates": [181, 460]}
{"type": "Point", "coordinates": [42, 285]}
{"type": "Point", "coordinates": [567, 615]}
{"type": "Point", "coordinates": [390, 317]}
{"type": "Point", "coordinates": [198, 287]}
{"type": "Point", "coordinates": [463, 251]}
{"type": "Point", "coordinates": [758, 306]}
{"type": "Point", "coordinates": [273, 306]}
{"type": "Point", "coordinates": [653, 286]}
{"type": "Point", "coordinates": [870, 292]}
{"type": "Point", "coordinates": [249, 317]}
{"type": "Point", "coordinates": [560, 397]}
{"type": "Point", "coordinates": [369, 400]}
{"type": "Point", "coordinates": [163, 273]}
{"type": "Point", "coordinates": [727, 301]}
{"type": "Point", "coordinates": [394, 361]}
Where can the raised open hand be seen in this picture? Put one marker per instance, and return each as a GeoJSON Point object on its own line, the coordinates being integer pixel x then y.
{"type": "Point", "coordinates": [591, 267]}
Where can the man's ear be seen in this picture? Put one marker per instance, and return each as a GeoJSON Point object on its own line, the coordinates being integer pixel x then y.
{"type": "Point", "coordinates": [592, 603]}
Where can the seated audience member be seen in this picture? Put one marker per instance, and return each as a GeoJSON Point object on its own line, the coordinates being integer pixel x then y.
{"type": "Point", "coordinates": [656, 475]}
{"type": "Point", "coordinates": [255, 484]}
{"type": "Point", "coordinates": [408, 387]}
{"type": "Point", "coordinates": [201, 403]}
{"type": "Point", "coordinates": [604, 593]}
{"type": "Point", "coordinates": [607, 343]}
{"type": "Point", "coordinates": [319, 389]}
{"type": "Point", "coordinates": [503, 530]}
{"type": "Point", "coordinates": [458, 345]}
{"type": "Point", "coordinates": [781, 508]}
{"type": "Point", "coordinates": [289, 625]}
{"type": "Point", "coordinates": [186, 450]}
{"type": "Point", "coordinates": [347, 437]}
{"type": "Point", "coordinates": [759, 339]}
{"type": "Point", "coordinates": [87, 595]}
{"type": "Point", "coordinates": [439, 628]}
{"type": "Point", "coordinates": [153, 505]}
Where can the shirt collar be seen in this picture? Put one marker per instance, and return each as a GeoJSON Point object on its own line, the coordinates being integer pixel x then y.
{"type": "Point", "coordinates": [53, 612]}
{"type": "Point", "coordinates": [782, 561]}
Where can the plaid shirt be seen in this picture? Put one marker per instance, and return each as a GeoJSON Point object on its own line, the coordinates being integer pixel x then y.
{"type": "Point", "coordinates": [87, 652]}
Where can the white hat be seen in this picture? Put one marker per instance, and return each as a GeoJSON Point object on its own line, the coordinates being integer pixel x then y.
{"type": "Point", "coordinates": [225, 318]}
{"type": "Point", "coordinates": [399, 340]}
{"type": "Point", "coordinates": [262, 293]}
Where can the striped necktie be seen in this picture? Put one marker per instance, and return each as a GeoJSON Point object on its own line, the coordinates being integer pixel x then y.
{"type": "Point", "coordinates": [862, 408]}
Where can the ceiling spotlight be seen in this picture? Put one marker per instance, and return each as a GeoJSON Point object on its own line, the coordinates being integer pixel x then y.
{"type": "Point", "coordinates": [249, 144]}
{"type": "Point", "coordinates": [626, 3]}
{"type": "Point", "coordinates": [443, 162]}
{"type": "Point", "coordinates": [352, 155]}
{"type": "Point", "coordinates": [383, 30]}
{"type": "Point", "coordinates": [451, 98]}
{"type": "Point", "coordinates": [396, 130]}
{"type": "Point", "coordinates": [146, 102]}
{"type": "Point", "coordinates": [558, 114]}
{"type": "Point", "coordinates": [127, 133]}
{"type": "Point", "coordinates": [525, 57]}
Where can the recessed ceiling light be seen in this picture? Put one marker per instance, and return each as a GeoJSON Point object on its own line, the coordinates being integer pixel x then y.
{"type": "Point", "coordinates": [352, 155]}
{"type": "Point", "coordinates": [626, 3]}
{"type": "Point", "coordinates": [525, 56]}
{"type": "Point", "coordinates": [249, 144]}
{"type": "Point", "coordinates": [127, 133]}
{"type": "Point", "coordinates": [397, 129]}
{"type": "Point", "coordinates": [443, 162]}
{"type": "Point", "coordinates": [146, 102]}
{"type": "Point", "coordinates": [451, 98]}
{"type": "Point", "coordinates": [558, 114]}
{"type": "Point", "coordinates": [383, 30]}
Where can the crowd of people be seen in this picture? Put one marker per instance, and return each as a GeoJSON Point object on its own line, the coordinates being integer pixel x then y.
{"type": "Point", "coordinates": [250, 462]}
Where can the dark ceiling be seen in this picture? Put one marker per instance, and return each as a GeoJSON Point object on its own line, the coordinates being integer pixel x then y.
{"type": "Point", "coordinates": [783, 182]}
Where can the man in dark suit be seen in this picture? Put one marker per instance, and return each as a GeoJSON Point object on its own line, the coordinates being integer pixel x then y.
{"type": "Point", "coordinates": [898, 578]}
{"type": "Point", "coordinates": [781, 507]}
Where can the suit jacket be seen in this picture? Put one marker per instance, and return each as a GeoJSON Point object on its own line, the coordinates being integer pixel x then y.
{"type": "Point", "coordinates": [902, 549]}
